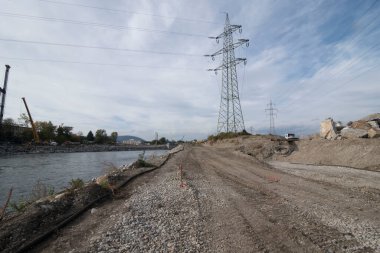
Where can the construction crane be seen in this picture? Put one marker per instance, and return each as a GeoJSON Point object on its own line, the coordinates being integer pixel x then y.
{"type": "Point", "coordinates": [35, 134]}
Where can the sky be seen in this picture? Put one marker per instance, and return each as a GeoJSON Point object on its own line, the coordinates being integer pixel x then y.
{"type": "Point", "coordinates": [138, 67]}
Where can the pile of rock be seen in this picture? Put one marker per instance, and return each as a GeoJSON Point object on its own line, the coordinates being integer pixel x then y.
{"type": "Point", "coordinates": [368, 127]}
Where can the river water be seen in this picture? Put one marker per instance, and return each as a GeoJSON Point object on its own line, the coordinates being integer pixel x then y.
{"type": "Point", "coordinates": [23, 171]}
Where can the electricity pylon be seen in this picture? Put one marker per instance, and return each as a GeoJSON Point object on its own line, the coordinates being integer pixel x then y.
{"type": "Point", "coordinates": [272, 113]}
{"type": "Point", "coordinates": [230, 114]}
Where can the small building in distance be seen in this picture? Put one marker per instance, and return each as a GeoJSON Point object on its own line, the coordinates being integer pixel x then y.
{"type": "Point", "coordinates": [132, 142]}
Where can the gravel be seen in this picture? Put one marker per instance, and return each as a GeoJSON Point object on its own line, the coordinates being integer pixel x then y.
{"type": "Point", "coordinates": [159, 217]}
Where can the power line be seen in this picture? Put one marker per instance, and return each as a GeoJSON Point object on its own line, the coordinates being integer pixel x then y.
{"type": "Point", "coordinates": [353, 39]}
{"type": "Point", "coordinates": [338, 74]}
{"type": "Point", "coordinates": [96, 47]}
{"type": "Point", "coordinates": [98, 63]}
{"type": "Point", "coordinates": [272, 113]}
{"type": "Point", "coordinates": [230, 114]}
{"type": "Point", "coordinates": [108, 26]}
{"type": "Point", "coordinates": [131, 12]}
{"type": "Point", "coordinates": [336, 87]}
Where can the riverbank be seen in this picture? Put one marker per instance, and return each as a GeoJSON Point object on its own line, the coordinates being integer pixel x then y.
{"type": "Point", "coordinates": [19, 231]}
{"type": "Point", "coordinates": [57, 169]}
{"type": "Point", "coordinates": [11, 149]}
{"type": "Point", "coordinates": [221, 200]}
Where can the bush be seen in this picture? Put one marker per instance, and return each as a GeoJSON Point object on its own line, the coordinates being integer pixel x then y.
{"type": "Point", "coordinates": [18, 207]}
{"type": "Point", "coordinates": [76, 184]}
{"type": "Point", "coordinates": [41, 190]}
{"type": "Point", "coordinates": [105, 184]}
{"type": "Point", "coordinates": [229, 135]}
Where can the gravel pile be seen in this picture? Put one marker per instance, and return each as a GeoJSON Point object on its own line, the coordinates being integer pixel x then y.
{"type": "Point", "coordinates": [159, 217]}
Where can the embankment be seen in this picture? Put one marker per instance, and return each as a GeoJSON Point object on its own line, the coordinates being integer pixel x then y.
{"type": "Point", "coordinates": [19, 232]}
{"type": "Point", "coordinates": [355, 153]}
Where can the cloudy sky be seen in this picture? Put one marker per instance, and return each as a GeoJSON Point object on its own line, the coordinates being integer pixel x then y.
{"type": "Point", "coordinates": [137, 67]}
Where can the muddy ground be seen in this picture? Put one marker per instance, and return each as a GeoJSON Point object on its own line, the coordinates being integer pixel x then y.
{"type": "Point", "coordinates": [232, 202]}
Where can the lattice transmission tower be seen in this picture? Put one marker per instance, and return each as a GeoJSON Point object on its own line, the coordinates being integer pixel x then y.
{"type": "Point", "coordinates": [230, 114]}
{"type": "Point", "coordinates": [272, 112]}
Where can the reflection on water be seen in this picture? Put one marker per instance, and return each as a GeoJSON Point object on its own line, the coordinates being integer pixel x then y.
{"type": "Point", "coordinates": [23, 171]}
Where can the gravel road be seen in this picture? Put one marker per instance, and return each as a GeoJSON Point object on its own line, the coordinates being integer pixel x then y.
{"type": "Point", "coordinates": [230, 202]}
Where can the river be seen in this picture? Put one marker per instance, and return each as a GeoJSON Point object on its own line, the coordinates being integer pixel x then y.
{"type": "Point", "coordinates": [23, 171]}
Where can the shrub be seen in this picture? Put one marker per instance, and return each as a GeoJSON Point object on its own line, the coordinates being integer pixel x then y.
{"type": "Point", "coordinates": [41, 190]}
{"type": "Point", "coordinates": [105, 184]}
{"type": "Point", "coordinates": [229, 135]}
{"type": "Point", "coordinates": [76, 184]}
{"type": "Point", "coordinates": [18, 206]}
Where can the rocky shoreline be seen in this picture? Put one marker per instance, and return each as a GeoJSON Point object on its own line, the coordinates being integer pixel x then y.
{"type": "Point", "coordinates": [20, 231]}
{"type": "Point", "coordinates": [10, 149]}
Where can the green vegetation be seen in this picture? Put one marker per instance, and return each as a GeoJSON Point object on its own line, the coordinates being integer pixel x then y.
{"type": "Point", "coordinates": [113, 137]}
{"type": "Point", "coordinates": [105, 184]}
{"type": "Point", "coordinates": [160, 141]}
{"type": "Point", "coordinates": [40, 190]}
{"type": "Point", "coordinates": [76, 184]}
{"type": "Point", "coordinates": [21, 132]}
{"type": "Point", "coordinates": [229, 135]}
{"type": "Point", "coordinates": [18, 206]}
{"type": "Point", "coordinates": [90, 136]}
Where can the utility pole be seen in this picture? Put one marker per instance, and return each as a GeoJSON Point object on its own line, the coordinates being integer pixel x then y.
{"type": "Point", "coordinates": [272, 112]}
{"type": "Point", "coordinates": [230, 114]}
{"type": "Point", "coordinates": [3, 92]}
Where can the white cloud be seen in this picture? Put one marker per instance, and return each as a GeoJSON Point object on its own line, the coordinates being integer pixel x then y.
{"type": "Point", "coordinates": [297, 56]}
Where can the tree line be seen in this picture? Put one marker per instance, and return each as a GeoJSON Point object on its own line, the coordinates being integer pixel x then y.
{"type": "Point", "coordinates": [20, 132]}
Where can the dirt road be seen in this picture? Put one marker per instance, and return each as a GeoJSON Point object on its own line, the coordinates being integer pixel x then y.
{"type": "Point", "coordinates": [230, 202]}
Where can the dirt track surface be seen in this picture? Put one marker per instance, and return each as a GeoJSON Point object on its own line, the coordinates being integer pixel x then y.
{"type": "Point", "coordinates": [230, 202]}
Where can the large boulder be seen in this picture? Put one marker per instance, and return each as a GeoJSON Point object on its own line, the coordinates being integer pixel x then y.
{"type": "Point", "coordinates": [361, 124]}
{"type": "Point", "coordinates": [374, 133]}
{"type": "Point", "coordinates": [328, 129]}
{"type": "Point", "coordinates": [374, 124]}
{"type": "Point", "coordinates": [352, 133]}
{"type": "Point", "coordinates": [371, 117]}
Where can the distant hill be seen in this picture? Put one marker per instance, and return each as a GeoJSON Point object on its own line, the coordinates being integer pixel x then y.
{"type": "Point", "coordinates": [128, 137]}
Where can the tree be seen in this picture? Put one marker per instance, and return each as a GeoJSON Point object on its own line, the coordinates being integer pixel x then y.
{"type": "Point", "coordinates": [63, 133]}
{"type": "Point", "coordinates": [90, 136]}
{"type": "Point", "coordinates": [24, 120]}
{"type": "Point", "coordinates": [100, 136]}
{"type": "Point", "coordinates": [114, 136]}
{"type": "Point", "coordinates": [46, 130]}
{"type": "Point", "coordinates": [7, 129]}
{"type": "Point", "coordinates": [162, 141]}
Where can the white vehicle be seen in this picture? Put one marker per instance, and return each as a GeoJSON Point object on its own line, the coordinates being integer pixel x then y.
{"type": "Point", "coordinates": [291, 137]}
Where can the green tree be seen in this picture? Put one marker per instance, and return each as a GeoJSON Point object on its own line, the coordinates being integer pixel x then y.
{"type": "Point", "coordinates": [24, 120]}
{"type": "Point", "coordinates": [101, 136]}
{"type": "Point", "coordinates": [90, 136]}
{"type": "Point", "coordinates": [7, 129]}
{"type": "Point", "coordinates": [46, 130]}
{"type": "Point", "coordinates": [162, 140]}
{"type": "Point", "coordinates": [114, 136]}
{"type": "Point", "coordinates": [63, 133]}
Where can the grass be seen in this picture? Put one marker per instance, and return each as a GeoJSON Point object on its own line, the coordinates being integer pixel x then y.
{"type": "Point", "coordinates": [142, 163]}
{"type": "Point", "coordinates": [39, 190]}
{"type": "Point", "coordinates": [76, 184]}
{"type": "Point", "coordinates": [19, 206]}
{"type": "Point", "coordinates": [229, 135]}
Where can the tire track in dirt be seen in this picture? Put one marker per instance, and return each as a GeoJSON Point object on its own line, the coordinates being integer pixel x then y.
{"type": "Point", "coordinates": [301, 225]}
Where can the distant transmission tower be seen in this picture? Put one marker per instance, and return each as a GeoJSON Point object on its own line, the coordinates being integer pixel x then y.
{"type": "Point", "coordinates": [272, 112]}
{"type": "Point", "coordinates": [230, 115]}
